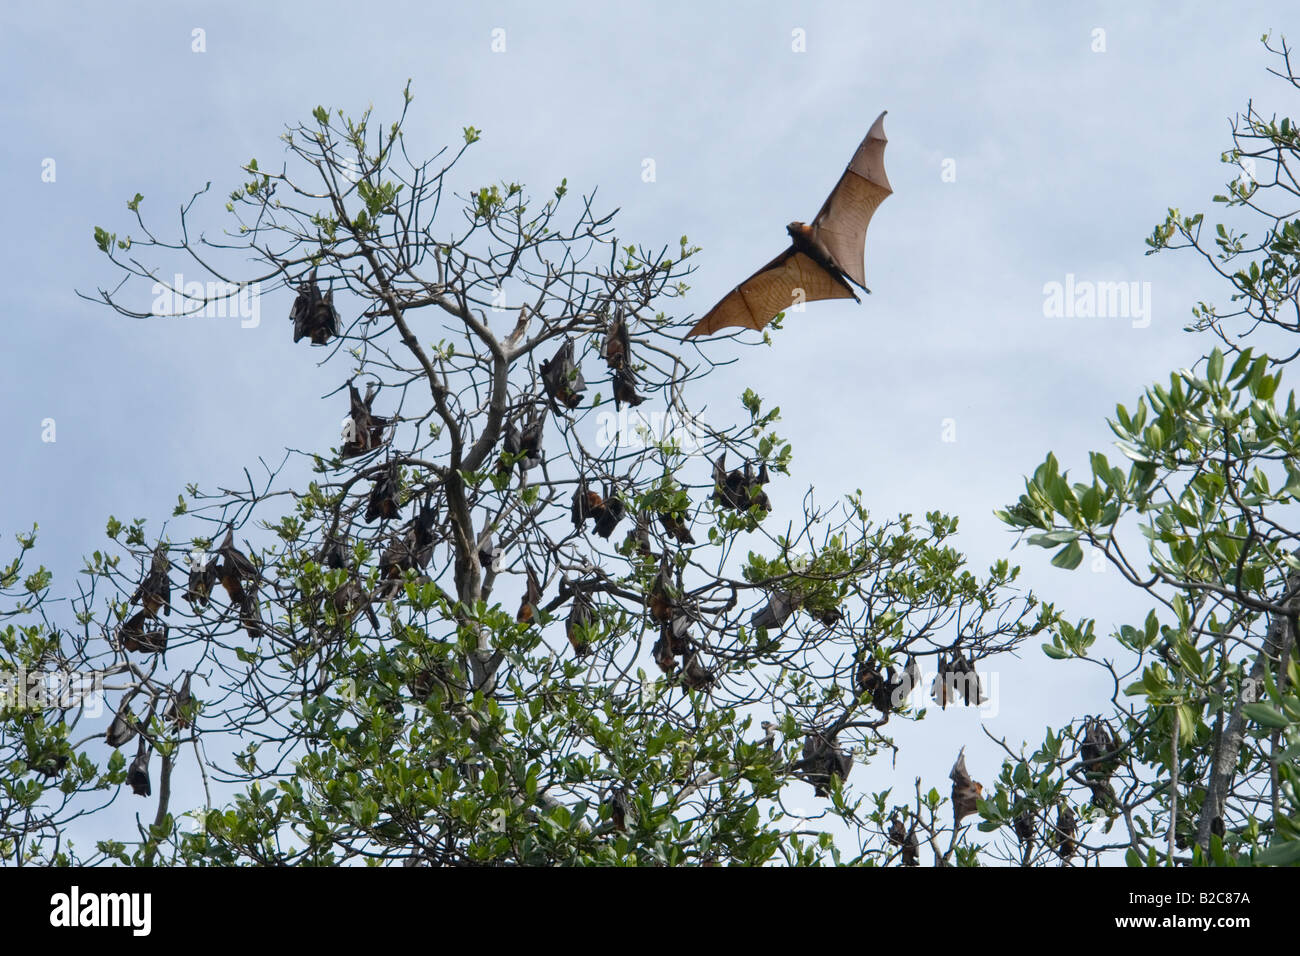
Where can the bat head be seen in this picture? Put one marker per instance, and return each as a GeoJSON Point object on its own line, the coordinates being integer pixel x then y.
{"type": "Point", "coordinates": [797, 229]}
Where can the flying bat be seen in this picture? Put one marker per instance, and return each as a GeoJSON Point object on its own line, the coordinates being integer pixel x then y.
{"type": "Point", "coordinates": [825, 259]}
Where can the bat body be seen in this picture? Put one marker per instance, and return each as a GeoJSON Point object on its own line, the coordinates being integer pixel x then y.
{"type": "Point", "coordinates": [155, 591]}
{"type": "Point", "coordinates": [824, 761]}
{"type": "Point", "coordinates": [236, 569]}
{"type": "Point", "coordinates": [382, 504]}
{"type": "Point", "coordinates": [204, 569]}
{"type": "Point", "coordinates": [965, 791]}
{"type": "Point", "coordinates": [824, 259]}
{"type": "Point", "coordinates": [137, 775]}
{"type": "Point", "coordinates": [562, 378]}
{"type": "Point", "coordinates": [364, 431]}
{"type": "Point", "coordinates": [313, 315]}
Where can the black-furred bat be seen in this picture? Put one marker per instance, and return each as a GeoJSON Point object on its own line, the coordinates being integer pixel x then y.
{"type": "Point", "coordinates": [236, 571]}
{"type": "Point", "coordinates": [578, 626]}
{"type": "Point", "coordinates": [823, 762]}
{"type": "Point", "coordinates": [775, 613]}
{"type": "Point", "coordinates": [823, 258]}
{"type": "Point", "coordinates": [365, 430]}
{"type": "Point", "coordinates": [313, 315]}
{"type": "Point", "coordinates": [562, 378]}
{"type": "Point", "coordinates": [180, 708]}
{"type": "Point", "coordinates": [625, 388]}
{"type": "Point", "coordinates": [677, 527]}
{"type": "Point", "coordinates": [382, 504]}
{"type": "Point", "coordinates": [141, 633]}
{"type": "Point", "coordinates": [204, 568]}
{"type": "Point", "coordinates": [137, 775]}
{"type": "Point", "coordinates": [674, 641]}
{"type": "Point", "coordinates": [122, 729]}
{"type": "Point", "coordinates": [610, 512]}
{"type": "Point", "coordinates": [155, 591]}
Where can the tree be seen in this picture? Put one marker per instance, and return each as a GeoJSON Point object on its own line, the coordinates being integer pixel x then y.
{"type": "Point", "coordinates": [475, 632]}
{"type": "Point", "coordinates": [1195, 758]}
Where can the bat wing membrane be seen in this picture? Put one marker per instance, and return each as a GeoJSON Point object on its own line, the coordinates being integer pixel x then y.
{"type": "Point", "coordinates": [842, 222]}
{"type": "Point", "coordinates": [769, 291]}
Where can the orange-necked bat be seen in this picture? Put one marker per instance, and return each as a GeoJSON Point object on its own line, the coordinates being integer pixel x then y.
{"type": "Point", "coordinates": [825, 259]}
{"type": "Point", "coordinates": [965, 791]}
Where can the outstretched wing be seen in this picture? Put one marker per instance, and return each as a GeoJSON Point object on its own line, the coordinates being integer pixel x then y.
{"type": "Point", "coordinates": [842, 222]}
{"type": "Point", "coordinates": [787, 280]}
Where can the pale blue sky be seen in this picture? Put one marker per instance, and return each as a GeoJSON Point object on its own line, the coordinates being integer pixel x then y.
{"type": "Point", "coordinates": [1065, 158]}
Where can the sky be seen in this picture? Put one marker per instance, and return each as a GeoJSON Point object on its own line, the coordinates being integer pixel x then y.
{"type": "Point", "coordinates": [1028, 143]}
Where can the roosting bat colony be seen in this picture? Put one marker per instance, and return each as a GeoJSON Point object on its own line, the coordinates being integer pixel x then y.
{"type": "Point", "coordinates": [825, 260]}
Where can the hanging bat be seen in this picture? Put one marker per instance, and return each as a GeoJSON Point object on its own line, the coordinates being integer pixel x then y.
{"type": "Point", "coordinates": [313, 315]}
{"type": "Point", "coordinates": [825, 259]}
{"type": "Point", "coordinates": [618, 809]}
{"type": "Point", "coordinates": [122, 729]}
{"type": "Point", "coordinates": [203, 575]}
{"type": "Point", "coordinates": [415, 548]}
{"type": "Point", "coordinates": [904, 839]}
{"type": "Point", "coordinates": [823, 762]}
{"type": "Point", "coordinates": [236, 569]}
{"type": "Point", "coordinates": [1099, 749]}
{"type": "Point", "coordinates": [562, 378]}
{"type": "Point", "coordinates": [610, 512]}
{"type": "Point", "coordinates": [180, 707]}
{"type": "Point", "coordinates": [532, 597]}
{"type": "Point", "coordinates": [775, 613]}
{"type": "Point", "coordinates": [527, 443]}
{"type": "Point", "coordinates": [489, 553]}
{"type": "Point", "coordinates": [350, 599]}
{"type": "Point", "coordinates": [155, 591]}
{"type": "Point", "coordinates": [625, 388]}
{"type": "Point", "coordinates": [137, 775]}
{"type": "Point", "coordinates": [638, 539]}
{"type": "Point", "coordinates": [618, 348]}
{"type": "Point", "coordinates": [1063, 834]}
{"type": "Point", "coordinates": [674, 641]}
{"type": "Point", "coordinates": [137, 636]}
{"type": "Point", "coordinates": [586, 503]}
{"type": "Point", "coordinates": [364, 430]}
{"type": "Point", "coordinates": [578, 626]}
{"type": "Point", "coordinates": [1024, 827]}
{"type": "Point", "coordinates": [677, 527]}
{"type": "Point", "coordinates": [382, 504]}
{"type": "Point", "coordinates": [660, 601]}
{"type": "Point", "coordinates": [695, 675]}
{"type": "Point", "coordinates": [965, 791]}
{"type": "Point", "coordinates": [334, 554]}
{"type": "Point", "coordinates": [957, 681]}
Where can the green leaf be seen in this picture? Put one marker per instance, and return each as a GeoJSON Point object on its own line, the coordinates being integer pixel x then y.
{"type": "Point", "coordinates": [1266, 716]}
{"type": "Point", "coordinates": [1069, 557]}
{"type": "Point", "coordinates": [1279, 854]}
